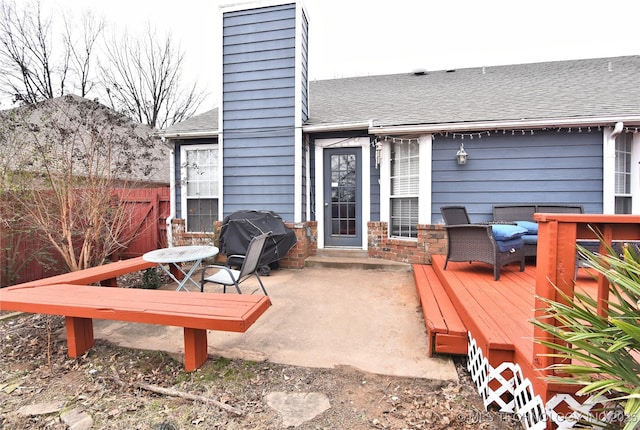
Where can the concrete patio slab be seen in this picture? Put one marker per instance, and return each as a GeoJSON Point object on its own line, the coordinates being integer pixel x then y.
{"type": "Point", "coordinates": [367, 319]}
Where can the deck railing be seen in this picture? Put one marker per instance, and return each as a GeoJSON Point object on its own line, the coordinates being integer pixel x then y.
{"type": "Point", "coordinates": [556, 262]}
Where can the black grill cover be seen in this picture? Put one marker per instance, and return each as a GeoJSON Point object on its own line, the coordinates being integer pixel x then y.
{"type": "Point", "coordinates": [240, 227]}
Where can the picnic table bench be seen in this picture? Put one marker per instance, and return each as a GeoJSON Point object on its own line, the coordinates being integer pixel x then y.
{"type": "Point", "coordinates": [69, 296]}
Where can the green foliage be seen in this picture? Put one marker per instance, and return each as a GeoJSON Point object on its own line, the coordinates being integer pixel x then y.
{"type": "Point", "coordinates": [151, 279]}
{"type": "Point", "coordinates": [600, 353]}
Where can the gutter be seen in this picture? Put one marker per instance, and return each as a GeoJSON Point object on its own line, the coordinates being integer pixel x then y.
{"type": "Point", "coordinates": [321, 128]}
{"type": "Point", "coordinates": [433, 128]}
{"type": "Point", "coordinates": [191, 134]}
{"type": "Point", "coordinates": [502, 125]}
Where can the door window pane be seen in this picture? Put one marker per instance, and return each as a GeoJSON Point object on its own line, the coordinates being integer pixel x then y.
{"type": "Point", "coordinates": [343, 194]}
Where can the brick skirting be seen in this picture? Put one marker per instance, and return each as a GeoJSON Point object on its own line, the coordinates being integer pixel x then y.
{"type": "Point", "coordinates": [431, 240]}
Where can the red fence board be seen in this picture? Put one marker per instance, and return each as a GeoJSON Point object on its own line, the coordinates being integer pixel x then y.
{"type": "Point", "coordinates": [151, 208]}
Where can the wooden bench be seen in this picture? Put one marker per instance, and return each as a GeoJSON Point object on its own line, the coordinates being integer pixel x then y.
{"type": "Point", "coordinates": [105, 274]}
{"type": "Point", "coordinates": [194, 311]}
{"type": "Point", "coordinates": [445, 329]}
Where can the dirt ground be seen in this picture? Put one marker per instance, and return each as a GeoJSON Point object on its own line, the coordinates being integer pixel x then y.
{"type": "Point", "coordinates": [111, 387]}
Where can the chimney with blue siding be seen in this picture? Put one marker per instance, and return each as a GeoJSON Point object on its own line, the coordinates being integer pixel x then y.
{"type": "Point", "coordinates": [264, 103]}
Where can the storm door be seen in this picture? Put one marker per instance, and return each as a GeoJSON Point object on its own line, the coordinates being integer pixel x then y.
{"type": "Point", "coordinates": [342, 197]}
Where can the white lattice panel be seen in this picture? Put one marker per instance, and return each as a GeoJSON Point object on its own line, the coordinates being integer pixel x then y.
{"type": "Point", "coordinates": [587, 411]}
{"type": "Point", "coordinates": [528, 406]}
{"type": "Point", "coordinates": [495, 385]}
{"type": "Point", "coordinates": [502, 394]}
{"type": "Point", "coordinates": [514, 393]}
{"type": "Point", "coordinates": [477, 365]}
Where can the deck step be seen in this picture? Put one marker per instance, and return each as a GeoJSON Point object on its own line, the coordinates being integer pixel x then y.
{"type": "Point", "coordinates": [447, 333]}
{"type": "Point", "coordinates": [490, 309]}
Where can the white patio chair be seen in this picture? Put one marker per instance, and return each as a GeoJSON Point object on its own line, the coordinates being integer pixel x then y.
{"type": "Point", "coordinates": [227, 276]}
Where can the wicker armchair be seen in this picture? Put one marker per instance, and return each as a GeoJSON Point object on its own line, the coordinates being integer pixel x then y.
{"type": "Point", "coordinates": [475, 242]}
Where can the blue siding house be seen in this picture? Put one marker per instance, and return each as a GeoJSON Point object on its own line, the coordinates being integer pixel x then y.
{"type": "Point", "coordinates": [367, 162]}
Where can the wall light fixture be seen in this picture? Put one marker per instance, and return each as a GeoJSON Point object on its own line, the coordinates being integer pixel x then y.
{"type": "Point", "coordinates": [461, 155]}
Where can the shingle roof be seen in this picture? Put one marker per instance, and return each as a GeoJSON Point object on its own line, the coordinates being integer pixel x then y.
{"type": "Point", "coordinates": [564, 89]}
{"type": "Point", "coordinates": [601, 87]}
{"type": "Point", "coordinates": [199, 124]}
{"type": "Point", "coordinates": [67, 125]}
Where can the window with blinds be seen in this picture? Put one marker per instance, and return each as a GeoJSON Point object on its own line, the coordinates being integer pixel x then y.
{"type": "Point", "coordinates": [405, 176]}
{"type": "Point", "coordinates": [623, 174]}
{"type": "Point", "coordinates": [200, 187]}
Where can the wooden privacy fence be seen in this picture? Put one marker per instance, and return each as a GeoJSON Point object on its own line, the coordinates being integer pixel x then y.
{"type": "Point", "coordinates": [21, 254]}
{"type": "Point", "coordinates": [148, 226]}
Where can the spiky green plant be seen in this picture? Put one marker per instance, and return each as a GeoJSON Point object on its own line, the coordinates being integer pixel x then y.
{"type": "Point", "coordinates": [601, 353]}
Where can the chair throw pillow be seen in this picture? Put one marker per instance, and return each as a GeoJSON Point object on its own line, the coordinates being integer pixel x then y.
{"type": "Point", "coordinates": [507, 231]}
{"type": "Point", "coordinates": [530, 226]}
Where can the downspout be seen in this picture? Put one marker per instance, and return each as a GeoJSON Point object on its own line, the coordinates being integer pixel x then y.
{"type": "Point", "coordinates": [617, 129]}
{"type": "Point", "coordinates": [172, 193]}
{"type": "Point", "coordinates": [609, 169]}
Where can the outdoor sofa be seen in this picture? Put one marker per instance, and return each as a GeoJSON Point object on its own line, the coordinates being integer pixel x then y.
{"type": "Point", "coordinates": [522, 215]}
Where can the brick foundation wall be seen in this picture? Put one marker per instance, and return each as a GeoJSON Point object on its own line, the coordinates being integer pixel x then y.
{"type": "Point", "coordinates": [182, 238]}
{"type": "Point", "coordinates": [432, 239]}
{"type": "Point", "coordinates": [307, 244]}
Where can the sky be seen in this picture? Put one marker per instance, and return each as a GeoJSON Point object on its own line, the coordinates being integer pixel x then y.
{"type": "Point", "coordinates": [364, 37]}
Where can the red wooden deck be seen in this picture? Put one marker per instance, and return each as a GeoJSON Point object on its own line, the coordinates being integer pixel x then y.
{"type": "Point", "coordinates": [509, 368]}
{"type": "Point", "coordinates": [497, 313]}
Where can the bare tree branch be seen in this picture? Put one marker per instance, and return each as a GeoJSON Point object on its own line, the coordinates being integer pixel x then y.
{"type": "Point", "coordinates": [34, 66]}
{"type": "Point", "coordinates": [81, 52]}
{"type": "Point", "coordinates": [26, 53]}
{"type": "Point", "coordinates": [143, 79]}
{"type": "Point", "coordinates": [142, 76]}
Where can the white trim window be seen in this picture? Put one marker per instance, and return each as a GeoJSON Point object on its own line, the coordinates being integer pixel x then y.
{"type": "Point", "coordinates": [623, 173]}
{"type": "Point", "coordinates": [200, 187]}
{"type": "Point", "coordinates": [405, 188]}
